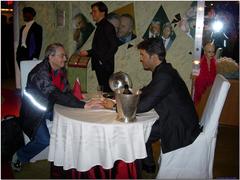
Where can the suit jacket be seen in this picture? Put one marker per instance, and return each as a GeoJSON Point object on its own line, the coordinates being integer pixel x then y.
{"type": "Point", "coordinates": [104, 46]}
{"type": "Point", "coordinates": [120, 42]}
{"type": "Point", "coordinates": [33, 42]}
{"type": "Point", "coordinates": [169, 96]}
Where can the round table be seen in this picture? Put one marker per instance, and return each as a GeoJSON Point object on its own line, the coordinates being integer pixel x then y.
{"type": "Point", "coordinates": [82, 139]}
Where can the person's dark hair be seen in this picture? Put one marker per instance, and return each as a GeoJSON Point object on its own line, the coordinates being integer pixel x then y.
{"type": "Point", "coordinates": [29, 10]}
{"type": "Point", "coordinates": [101, 6]}
{"type": "Point", "coordinates": [154, 46]}
{"type": "Point", "coordinates": [51, 49]}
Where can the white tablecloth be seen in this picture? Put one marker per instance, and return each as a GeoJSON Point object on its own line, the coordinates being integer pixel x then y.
{"type": "Point", "coordinates": [82, 139]}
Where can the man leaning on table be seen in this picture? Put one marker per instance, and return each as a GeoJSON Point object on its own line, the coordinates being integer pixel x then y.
{"type": "Point", "coordinates": [168, 95]}
{"type": "Point", "coordinates": [47, 84]}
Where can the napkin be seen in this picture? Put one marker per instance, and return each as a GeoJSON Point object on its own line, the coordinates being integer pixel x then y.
{"type": "Point", "coordinates": [77, 89]}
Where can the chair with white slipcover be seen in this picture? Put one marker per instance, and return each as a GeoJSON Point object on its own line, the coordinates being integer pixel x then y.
{"type": "Point", "coordinates": [196, 159]}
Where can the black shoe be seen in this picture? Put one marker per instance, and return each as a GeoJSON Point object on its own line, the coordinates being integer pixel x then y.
{"type": "Point", "coordinates": [149, 169]}
{"type": "Point", "coordinates": [17, 166]}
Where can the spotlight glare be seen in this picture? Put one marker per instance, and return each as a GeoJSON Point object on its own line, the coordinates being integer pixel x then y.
{"type": "Point", "coordinates": [217, 26]}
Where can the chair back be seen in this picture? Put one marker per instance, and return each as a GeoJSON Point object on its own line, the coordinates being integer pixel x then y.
{"type": "Point", "coordinates": [213, 108]}
{"type": "Point", "coordinates": [26, 67]}
{"type": "Point", "coordinates": [177, 164]}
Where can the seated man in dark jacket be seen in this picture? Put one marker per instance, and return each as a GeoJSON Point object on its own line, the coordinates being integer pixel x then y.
{"type": "Point", "coordinates": [168, 95]}
{"type": "Point", "coordinates": [47, 84]}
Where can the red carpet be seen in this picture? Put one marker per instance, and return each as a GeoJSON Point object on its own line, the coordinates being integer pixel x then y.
{"type": "Point", "coordinates": [10, 102]}
{"type": "Point", "coordinates": [6, 171]}
{"type": "Point", "coordinates": [10, 105]}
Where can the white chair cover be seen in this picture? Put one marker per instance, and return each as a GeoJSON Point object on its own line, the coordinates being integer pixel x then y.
{"type": "Point", "coordinates": [26, 67]}
{"type": "Point", "coordinates": [196, 160]}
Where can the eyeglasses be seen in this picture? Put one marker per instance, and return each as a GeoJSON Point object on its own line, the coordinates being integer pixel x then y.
{"type": "Point", "coordinates": [62, 55]}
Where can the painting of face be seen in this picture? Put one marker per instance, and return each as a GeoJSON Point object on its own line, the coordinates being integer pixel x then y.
{"type": "Point", "coordinates": [123, 21]}
{"type": "Point", "coordinates": [82, 29]}
{"type": "Point", "coordinates": [125, 27]}
{"type": "Point", "coordinates": [116, 24]}
{"type": "Point", "coordinates": [166, 32]}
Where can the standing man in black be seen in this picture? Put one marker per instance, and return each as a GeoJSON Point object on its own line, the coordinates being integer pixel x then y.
{"type": "Point", "coordinates": [104, 46]}
{"type": "Point", "coordinates": [30, 39]}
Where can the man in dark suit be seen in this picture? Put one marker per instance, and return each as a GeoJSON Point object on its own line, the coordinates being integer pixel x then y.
{"type": "Point", "coordinates": [168, 95]}
{"type": "Point", "coordinates": [30, 39]}
{"type": "Point", "coordinates": [104, 46]}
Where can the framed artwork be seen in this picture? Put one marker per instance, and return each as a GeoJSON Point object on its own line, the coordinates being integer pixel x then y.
{"type": "Point", "coordinates": [82, 29]}
{"type": "Point", "coordinates": [161, 27]}
{"type": "Point", "coordinates": [124, 22]}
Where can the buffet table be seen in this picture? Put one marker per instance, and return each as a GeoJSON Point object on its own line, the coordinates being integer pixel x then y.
{"type": "Point", "coordinates": [83, 140]}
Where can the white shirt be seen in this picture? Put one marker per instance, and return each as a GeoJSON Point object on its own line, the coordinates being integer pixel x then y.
{"type": "Point", "coordinates": [165, 41]}
{"type": "Point", "coordinates": [25, 33]}
{"type": "Point", "coordinates": [152, 35]}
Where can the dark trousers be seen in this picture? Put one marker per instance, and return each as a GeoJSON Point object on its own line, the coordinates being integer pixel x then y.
{"type": "Point", "coordinates": [36, 145]}
{"type": "Point", "coordinates": [22, 54]}
{"type": "Point", "coordinates": [154, 136]}
{"type": "Point", "coordinates": [103, 78]}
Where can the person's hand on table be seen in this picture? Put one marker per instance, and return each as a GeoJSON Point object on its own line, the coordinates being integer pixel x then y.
{"type": "Point", "coordinates": [108, 103]}
{"type": "Point", "coordinates": [94, 104]}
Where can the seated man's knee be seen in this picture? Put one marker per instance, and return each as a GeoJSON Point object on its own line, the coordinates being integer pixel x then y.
{"type": "Point", "coordinates": [45, 143]}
